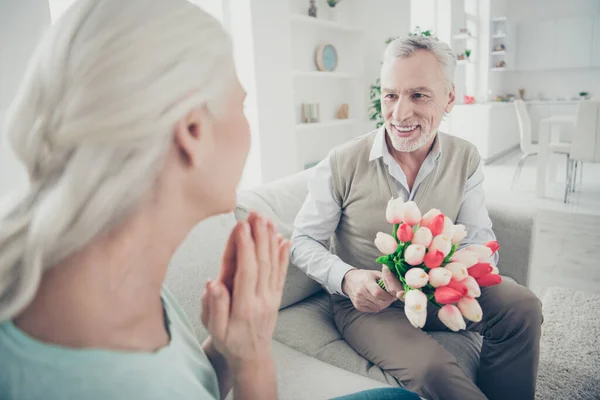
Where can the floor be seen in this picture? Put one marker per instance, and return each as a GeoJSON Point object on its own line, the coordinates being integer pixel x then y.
{"type": "Point", "coordinates": [498, 179]}
{"type": "Point", "coordinates": [565, 251]}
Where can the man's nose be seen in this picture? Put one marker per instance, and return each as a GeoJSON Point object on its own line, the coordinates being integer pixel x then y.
{"type": "Point", "coordinates": [402, 109]}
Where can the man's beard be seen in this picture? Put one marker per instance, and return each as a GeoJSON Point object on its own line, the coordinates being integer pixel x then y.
{"type": "Point", "coordinates": [411, 143]}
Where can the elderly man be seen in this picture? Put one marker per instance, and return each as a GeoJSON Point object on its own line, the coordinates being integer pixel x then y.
{"type": "Point", "coordinates": [347, 198]}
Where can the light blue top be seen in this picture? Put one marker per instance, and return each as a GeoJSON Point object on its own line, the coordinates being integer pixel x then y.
{"type": "Point", "coordinates": [30, 369]}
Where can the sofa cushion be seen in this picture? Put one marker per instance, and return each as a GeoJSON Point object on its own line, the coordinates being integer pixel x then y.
{"type": "Point", "coordinates": [309, 328]}
{"type": "Point", "coordinates": [196, 260]}
{"type": "Point", "coordinates": [280, 201]}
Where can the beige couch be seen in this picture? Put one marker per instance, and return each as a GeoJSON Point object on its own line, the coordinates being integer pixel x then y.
{"type": "Point", "coordinates": [313, 360]}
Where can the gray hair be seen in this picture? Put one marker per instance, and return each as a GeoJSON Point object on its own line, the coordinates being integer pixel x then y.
{"type": "Point", "coordinates": [407, 46]}
{"type": "Point", "coordinates": [93, 121]}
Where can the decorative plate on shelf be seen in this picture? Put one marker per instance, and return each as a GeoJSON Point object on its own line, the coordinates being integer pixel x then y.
{"type": "Point", "coordinates": [326, 58]}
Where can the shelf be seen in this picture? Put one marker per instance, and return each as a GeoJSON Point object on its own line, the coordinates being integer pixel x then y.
{"type": "Point", "coordinates": [498, 35]}
{"type": "Point", "coordinates": [324, 74]}
{"type": "Point", "coordinates": [327, 124]}
{"type": "Point", "coordinates": [499, 19]}
{"type": "Point", "coordinates": [323, 23]}
{"type": "Point", "coordinates": [498, 69]}
{"type": "Point", "coordinates": [497, 53]}
{"type": "Point", "coordinates": [463, 36]}
{"type": "Point", "coordinates": [464, 62]}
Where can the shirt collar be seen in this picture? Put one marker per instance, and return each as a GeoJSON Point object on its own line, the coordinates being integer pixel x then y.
{"type": "Point", "coordinates": [379, 148]}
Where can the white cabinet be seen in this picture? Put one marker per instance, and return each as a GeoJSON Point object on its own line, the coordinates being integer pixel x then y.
{"type": "Point", "coordinates": [596, 42]}
{"type": "Point", "coordinates": [535, 48]}
{"type": "Point", "coordinates": [573, 41]}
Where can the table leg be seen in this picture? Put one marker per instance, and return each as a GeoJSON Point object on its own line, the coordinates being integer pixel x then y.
{"type": "Point", "coordinates": [552, 162]}
{"type": "Point", "coordinates": [542, 159]}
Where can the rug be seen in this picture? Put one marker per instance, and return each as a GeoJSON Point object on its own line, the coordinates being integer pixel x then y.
{"type": "Point", "coordinates": [570, 346]}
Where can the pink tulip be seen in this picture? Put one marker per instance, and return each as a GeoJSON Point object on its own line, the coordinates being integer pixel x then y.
{"type": "Point", "coordinates": [472, 286]}
{"type": "Point", "coordinates": [470, 309]}
{"type": "Point", "coordinates": [459, 271]}
{"type": "Point", "coordinates": [433, 259]}
{"type": "Point", "coordinates": [459, 287]}
{"type": "Point", "coordinates": [482, 252]}
{"type": "Point", "coordinates": [415, 300]}
{"type": "Point", "coordinates": [414, 254]}
{"type": "Point", "coordinates": [480, 269]}
{"type": "Point", "coordinates": [493, 246]}
{"type": "Point", "coordinates": [385, 243]}
{"type": "Point", "coordinates": [429, 215]}
{"type": "Point", "coordinates": [417, 319]}
{"type": "Point", "coordinates": [412, 214]}
{"type": "Point", "coordinates": [436, 226]}
{"type": "Point", "coordinates": [395, 211]}
{"type": "Point", "coordinates": [442, 244]}
{"type": "Point", "coordinates": [416, 278]}
{"type": "Point", "coordinates": [439, 277]}
{"type": "Point", "coordinates": [489, 280]}
{"type": "Point", "coordinates": [459, 233]}
{"type": "Point", "coordinates": [467, 258]}
{"type": "Point", "coordinates": [448, 230]}
{"type": "Point", "coordinates": [405, 233]}
{"type": "Point", "coordinates": [446, 295]}
{"type": "Point", "coordinates": [422, 236]}
{"type": "Point", "coordinates": [451, 317]}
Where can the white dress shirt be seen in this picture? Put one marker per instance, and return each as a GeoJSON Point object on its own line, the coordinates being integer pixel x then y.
{"type": "Point", "coordinates": [318, 219]}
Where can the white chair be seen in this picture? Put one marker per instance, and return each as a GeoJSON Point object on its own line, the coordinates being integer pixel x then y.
{"type": "Point", "coordinates": [585, 146]}
{"type": "Point", "coordinates": [528, 148]}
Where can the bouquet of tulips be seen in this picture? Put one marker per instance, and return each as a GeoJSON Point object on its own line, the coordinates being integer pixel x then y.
{"type": "Point", "coordinates": [422, 253]}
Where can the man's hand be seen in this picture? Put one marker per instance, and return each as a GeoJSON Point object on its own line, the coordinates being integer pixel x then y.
{"type": "Point", "coordinates": [366, 295]}
{"type": "Point", "coordinates": [392, 284]}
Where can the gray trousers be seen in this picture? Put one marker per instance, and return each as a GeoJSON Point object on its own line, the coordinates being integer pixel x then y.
{"type": "Point", "coordinates": [511, 329]}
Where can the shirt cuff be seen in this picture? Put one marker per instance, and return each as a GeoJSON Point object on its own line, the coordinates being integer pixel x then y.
{"type": "Point", "coordinates": [336, 277]}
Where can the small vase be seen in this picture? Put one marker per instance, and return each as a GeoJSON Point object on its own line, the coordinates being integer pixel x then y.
{"type": "Point", "coordinates": [333, 14]}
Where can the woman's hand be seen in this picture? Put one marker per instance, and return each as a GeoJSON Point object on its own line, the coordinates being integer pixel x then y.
{"type": "Point", "coordinates": [240, 308]}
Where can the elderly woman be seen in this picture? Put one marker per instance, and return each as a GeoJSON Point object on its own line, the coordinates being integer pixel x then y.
{"type": "Point", "coordinates": [130, 123]}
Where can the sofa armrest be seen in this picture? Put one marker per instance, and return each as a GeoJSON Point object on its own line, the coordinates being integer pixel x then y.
{"type": "Point", "coordinates": [514, 231]}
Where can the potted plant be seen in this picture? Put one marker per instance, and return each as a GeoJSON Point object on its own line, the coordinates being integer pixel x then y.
{"type": "Point", "coordinates": [468, 53]}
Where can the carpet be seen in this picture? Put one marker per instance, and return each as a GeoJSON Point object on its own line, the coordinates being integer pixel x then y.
{"type": "Point", "coordinates": [570, 346]}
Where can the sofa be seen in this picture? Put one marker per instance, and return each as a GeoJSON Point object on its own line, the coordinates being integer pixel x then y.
{"type": "Point", "coordinates": [313, 360]}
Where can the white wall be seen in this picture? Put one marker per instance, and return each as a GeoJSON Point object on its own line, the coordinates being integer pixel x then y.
{"type": "Point", "coordinates": [551, 83]}
{"type": "Point", "coordinates": [381, 19]}
{"type": "Point", "coordinates": [21, 25]}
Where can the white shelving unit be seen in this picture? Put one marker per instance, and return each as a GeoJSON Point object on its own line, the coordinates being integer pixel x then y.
{"type": "Point", "coordinates": [322, 74]}
{"type": "Point", "coordinates": [499, 36]}
{"type": "Point", "coordinates": [328, 124]}
{"type": "Point", "coordinates": [321, 23]}
{"type": "Point", "coordinates": [345, 85]}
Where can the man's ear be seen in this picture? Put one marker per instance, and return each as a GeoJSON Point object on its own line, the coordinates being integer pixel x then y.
{"type": "Point", "coordinates": [451, 100]}
{"type": "Point", "coordinates": [193, 135]}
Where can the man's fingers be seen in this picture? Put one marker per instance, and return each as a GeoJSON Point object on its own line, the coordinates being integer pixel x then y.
{"type": "Point", "coordinates": [219, 310]}
{"type": "Point", "coordinates": [380, 296]}
{"type": "Point", "coordinates": [392, 284]}
{"type": "Point", "coordinates": [273, 255]}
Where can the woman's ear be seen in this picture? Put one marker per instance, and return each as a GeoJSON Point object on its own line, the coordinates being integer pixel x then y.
{"type": "Point", "coordinates": [451, 99]}
{"type": "Point", "coordinates": [193, 135]}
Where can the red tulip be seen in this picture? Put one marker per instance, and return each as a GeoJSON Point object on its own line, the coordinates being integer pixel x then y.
{"type": "Point", "coordinates": [433, 259]}
{"type": "Point", "coordinates": [489, 280]}
{"type": "Point", "coordinates": [459, 287]}
{"type": "Point", "coordinates": [480, 269]}
{"type": "Point", "coordinates": [446, 295]}
{"type": "Point", "coordinates": [436, 226]}
{"type": "Point", "coordinates": [493, 246]}
{"type": "Point", "coordinates": [405, 233]}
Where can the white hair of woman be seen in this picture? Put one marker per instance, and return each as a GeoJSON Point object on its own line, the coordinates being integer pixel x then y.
{"type": "Point", "coordinates": [92, 121]}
